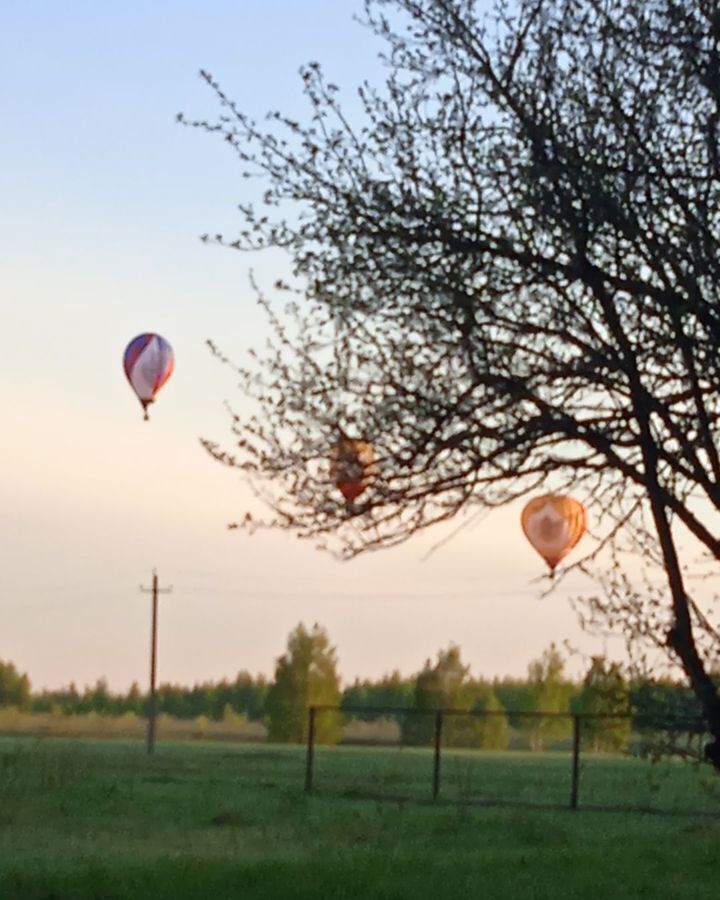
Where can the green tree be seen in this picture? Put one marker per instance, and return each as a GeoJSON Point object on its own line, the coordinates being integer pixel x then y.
{"type": "Point", "coordinates": [516, 696]}
{"type": "Point", "coordinates": [71, 699]}
{"type": "Point", "coordinates": [605, 693]}
{"type": "Point", "coordinates": [438, 686]}
{"type": "Point", "coordinates": [391, 691]}
{"type": "Point", "coordinates": [550, 692]}
{"type": "Point", "coordinates": [491, 731]}
{"type": "Point", "coordinates": [447, 685]}
{"type": "Point", "coordinates": [248, 695]}
{"type": "Point", "coordinates": [306, 675]}
{"type": "Point", "coordinates": [14, 687]}
{"type": "Point", "coordinates": [514, 260]}
{"type": "Point", "coordinates": [663, 698]}
{"type": "Point", "coordinates": [133, 701]}
{"type": "Point", "coordinates": [668, 719]}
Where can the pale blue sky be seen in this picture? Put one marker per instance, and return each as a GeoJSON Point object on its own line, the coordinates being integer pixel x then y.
{"type": "Point", "coordinates": [103, 197]}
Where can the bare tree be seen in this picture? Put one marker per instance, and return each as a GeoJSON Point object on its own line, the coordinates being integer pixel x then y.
{"type": "Point", "coordinates": [506, 278]}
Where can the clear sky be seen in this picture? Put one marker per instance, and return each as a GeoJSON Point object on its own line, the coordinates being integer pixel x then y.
{"type": "Point", "coordinates": [103, 197]}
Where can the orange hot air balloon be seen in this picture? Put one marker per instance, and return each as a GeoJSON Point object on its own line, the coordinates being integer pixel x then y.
{"type": "Point", "coordinates": [351, 467]}
{"type": "Point", "coordinates": [553, 524]}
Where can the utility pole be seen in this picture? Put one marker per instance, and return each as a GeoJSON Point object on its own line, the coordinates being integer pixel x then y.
{"type": "Point", "coordinates": [152, 704]}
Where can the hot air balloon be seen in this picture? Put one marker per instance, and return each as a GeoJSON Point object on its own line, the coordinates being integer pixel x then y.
{"type": "Point", "coordinates": [553, 524]}
{"type": "Point", "coordinates": [148, 363]}
{"type": "Point", "coordinates": [351, 467]}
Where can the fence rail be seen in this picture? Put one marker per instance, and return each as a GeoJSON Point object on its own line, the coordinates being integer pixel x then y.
{"type": "Point", "coordinates": [434, 732]}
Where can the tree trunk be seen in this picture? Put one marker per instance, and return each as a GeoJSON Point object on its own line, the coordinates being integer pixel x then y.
{"type": "Point", "coordinates": [683, 644]}
{"type": "Point", "coordinates": [680, 637]}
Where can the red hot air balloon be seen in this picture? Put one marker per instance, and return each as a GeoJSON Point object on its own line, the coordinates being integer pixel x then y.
{"type": "Point", "coordinates": [351, 467]}
{"type": "Point", "coordinates": [553, 524]}
{"type": "Point", "coordinates": [148, 363]}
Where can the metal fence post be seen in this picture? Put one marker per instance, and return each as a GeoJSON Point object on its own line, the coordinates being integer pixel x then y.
{"type": "Point", "coordinates": [310, 751]}
{"type": "Point", "coordinates": [575, 763]}
{"type": "Point", "coordinates": [438, 743]}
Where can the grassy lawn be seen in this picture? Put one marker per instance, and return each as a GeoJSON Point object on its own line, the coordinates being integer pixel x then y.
{"type": "Point", "coordinates": [93, 819]}
{"type": "Point", "coordinates": [522, 778]}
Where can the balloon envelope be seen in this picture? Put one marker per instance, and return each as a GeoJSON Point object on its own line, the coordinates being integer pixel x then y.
{"type": "Point", "coordinates": [351, 467]}
{"type": "Point", "coordinates": [553, 524]}
{"type": "Point", "coordinates": [148, 362]}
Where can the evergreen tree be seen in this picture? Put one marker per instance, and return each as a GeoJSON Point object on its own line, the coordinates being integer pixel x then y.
{"type": "Point", "coordinates": [98, 699]}
{"type": "Point", "coordinates": [447, 685]}
{"type": "Point", "coordinates": [390, 691]}
{"type": "Point", "coordinates": [133, 701]}
{"type": "Point", "coordinates": [668, 719]}
{"type": "Point", "coordinates": [604, 693]}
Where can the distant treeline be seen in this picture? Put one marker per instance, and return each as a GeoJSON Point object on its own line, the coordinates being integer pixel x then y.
{"type": "Point", "coordinates": [246, 696]}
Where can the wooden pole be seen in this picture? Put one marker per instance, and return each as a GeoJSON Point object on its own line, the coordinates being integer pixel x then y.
{"type": "Point", "coordinates": [310, 751]}
{"type": "Point", "coordinates": [152, 698]}
{"type": "Point", "coordinates": [438, 743]}
{"type": "Point", "coordinates": [575, 787]}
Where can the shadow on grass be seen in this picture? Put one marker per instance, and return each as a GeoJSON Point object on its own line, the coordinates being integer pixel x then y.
{"type": "Point", "coordinates": [369, 875]}
{"type": "Point", "coordinates": [352, 793]}
{"type": "Point", "coordinates": [356, 875]}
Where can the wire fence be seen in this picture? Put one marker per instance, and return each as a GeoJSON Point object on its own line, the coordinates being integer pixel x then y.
{"type": "Point", "coordinates": [591, 761]}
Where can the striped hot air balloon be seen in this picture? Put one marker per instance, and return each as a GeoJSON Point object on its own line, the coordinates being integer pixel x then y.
{"type": "Point", "coordinates": [148, 363]}
{"type": "Point", "coordinates": [351, 467]}
{"type": "Point", "coordinates": [553, 524]}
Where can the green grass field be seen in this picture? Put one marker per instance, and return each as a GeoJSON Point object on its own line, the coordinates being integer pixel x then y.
{"type": "Point", "coordinates": [100, 820]}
